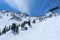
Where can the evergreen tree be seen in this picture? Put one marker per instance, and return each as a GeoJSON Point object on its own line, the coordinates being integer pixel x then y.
{"type": "Point", "coordinates": [4, 30]}
{"type": "Point", "coordinates": [0, 32]}
{"type": "Point", "coordinates": [34, 21]}
{"type": "Point", "coordinates": [14, 28]}
{"type": "Point", "coordinates": [22, 25]}
{"type": "Point", "coordinates": [18, 25]}
{"type": "Point", "coordinates": [26, 28]}
{"type": "Point", "coordinates": [29, 23]}
{"type": "Point", "coordinates": [9, 27]}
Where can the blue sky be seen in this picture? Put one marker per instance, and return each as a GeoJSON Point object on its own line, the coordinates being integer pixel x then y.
{"type": "Point", "coordinates": [35, 7]}
{"type": "Point", "coordinates": [5, 6]}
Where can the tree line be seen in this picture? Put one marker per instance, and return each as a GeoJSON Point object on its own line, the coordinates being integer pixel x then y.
{"type": "Point", "coordinates": [15, 28]}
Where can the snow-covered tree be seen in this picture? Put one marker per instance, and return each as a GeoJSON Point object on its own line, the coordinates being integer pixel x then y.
{"type": "Point", "coordinates": [14, 28]}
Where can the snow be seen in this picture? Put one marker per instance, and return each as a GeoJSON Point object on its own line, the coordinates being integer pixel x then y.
{"type": "Point", "coordinates": [48, 29]}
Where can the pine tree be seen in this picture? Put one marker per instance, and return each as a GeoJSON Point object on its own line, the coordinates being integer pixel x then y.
{"type": "Point", "coordinates": [29, 23]}
{"type": "Point", "coordinates": [0, 32]}
{"type": "Point", "coordinates": [4, 30]}
{"type": "Point", "coordinates": [9, 27]}
{"type": "Point", "coordinates": [18, 25]}
{"type": "Point", "coordinates": [26, 28]}
{"type": "Point", "coordinates": [22, 25]}
{"type": "Point", "coordinates": [34, 21]}
{"type": "Point", "coordinates": [14, 28]}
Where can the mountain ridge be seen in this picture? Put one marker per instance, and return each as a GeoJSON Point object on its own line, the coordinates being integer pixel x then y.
{"type": "Point", "coordinates": [37, 24]}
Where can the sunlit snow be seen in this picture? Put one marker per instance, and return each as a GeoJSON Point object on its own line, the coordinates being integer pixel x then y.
{"type": "Point", "coordinates": [46, 30]}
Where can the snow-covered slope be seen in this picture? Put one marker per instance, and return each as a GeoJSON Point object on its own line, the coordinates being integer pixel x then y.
{"type": "Point", "coordinates": [47, 27]}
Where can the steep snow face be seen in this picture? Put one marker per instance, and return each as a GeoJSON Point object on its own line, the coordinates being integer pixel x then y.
{"type": "Point", "coordinates": [48, 29]}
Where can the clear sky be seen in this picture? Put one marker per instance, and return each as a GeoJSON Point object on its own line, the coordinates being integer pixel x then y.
{"type": "Point", "coordinates": [5, 6]}
{"type": "Point", "coordinates": [35, 7]}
